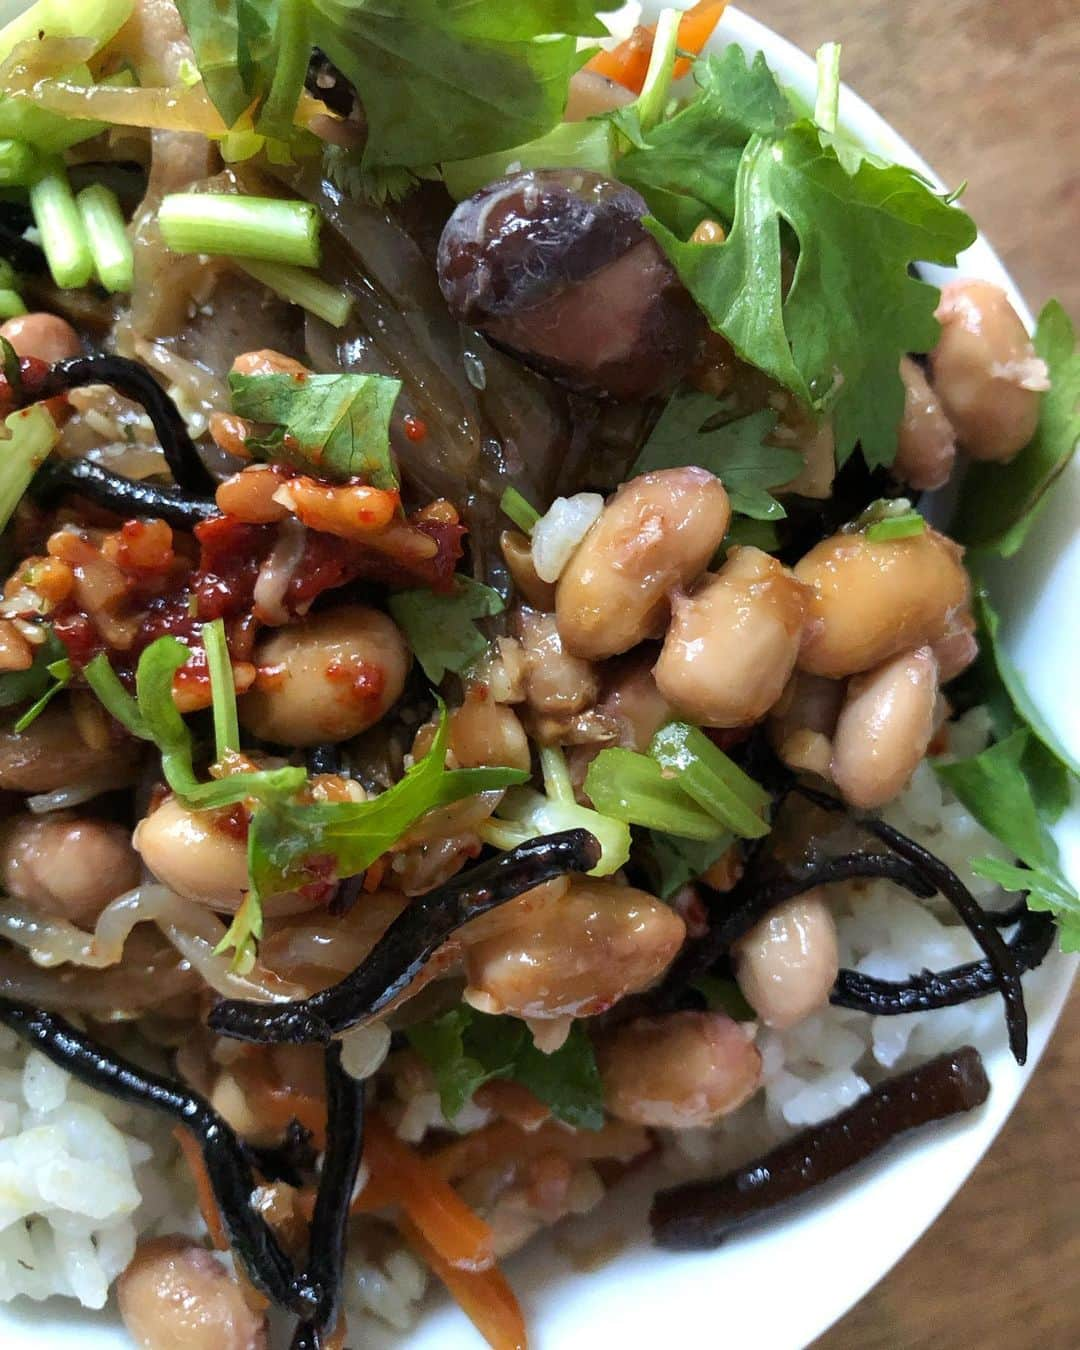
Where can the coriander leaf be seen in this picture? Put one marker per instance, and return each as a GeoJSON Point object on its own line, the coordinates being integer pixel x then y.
{"type": "Point", "coordinates": [244, 934]}
{"type": "Point", "coordinates": [675, 861]}
{"type": "Point", "coordinates": [20, 686]}
{"type": "Point", "coordinates": [444, 81]}
{"type": "Point", "coordinates": [286, 838]}
{"type": "Point", "coordinates": [993, 788]}
{"type": "Point", "coordinates": [466, 1049]}
{"type": "Point", "coordinates": [734, 451]}
{"type": "Point", "coordinates": [1046, 891]}
{"type": "Point", "coordinates": [1022, 704]}
{"type": "Point", "coordinates": [441, 629]}
{"type": "Point", "coordinates": [686, 167]}
{"type": "Point", "coordinates": [61, 672]}
{"type": "Point", "coordinates": [760, 534]}
{"type": "Point", "coordinates": [337, 424]}
{"type": "Point", "coordinates": [235, 50]}
{"type": "Point", "coordinates": [999, 502]}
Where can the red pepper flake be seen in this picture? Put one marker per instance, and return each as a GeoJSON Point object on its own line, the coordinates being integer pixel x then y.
{"type": "Point", "coordinates": [415, 428]}
{"type": "Point", "coordinates": [365, 680]}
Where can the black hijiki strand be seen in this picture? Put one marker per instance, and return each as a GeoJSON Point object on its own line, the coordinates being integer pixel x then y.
{"type": "Point", "coordinates": [931, 989]}
{"type": "Point", "coordinates": [701, 1215]}
{"type": "Point", "coordinates": [756, 896]}
{"type": "Point", "coordinates": [291, 1160]}
{"type": "Point", "coordinates": [252, 1239]}
{"type": "Point", "coordinates": [135, 382]}
{"type": "Point", "coordinates": [408, 944]}
{"type": "Point", "coordinates": [329, 1224]}
{"type": "Point", "coordinates": [978, 923]}
{"type": "Point", "coordinates": [125, 496]}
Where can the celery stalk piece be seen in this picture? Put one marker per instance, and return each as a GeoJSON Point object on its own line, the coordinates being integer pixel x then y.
{"type": "Point", "coordinates": [11, 303]}
{"type": "Point", "coordinates": [106, 233]}
{"type": "Point", "coordinates": [32, 434]}
{"type": "Point", "coordinates": [264, 228]}
{"type": "Point", "coordinates": [100, 20]}
{"type": "Point", "coordinates": [301, 287]}
{"type": "Point", "coordinates": [62, 234]}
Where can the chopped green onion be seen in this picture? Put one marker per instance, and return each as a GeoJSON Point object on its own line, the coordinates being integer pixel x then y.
{"type": "Point", "coordinates": [244, 934]}
{"type": "Point", "coordinates": [106, 233]}
{"type": "Point", "coordinates": [570, 145]}
{"type": "Point", "coordinates": [649, 105]}
{"type": "Point", "coordinates": [896, 527]}
{"type": "Point", "coordinates": [11, 304]}
{"type": "Point", "coordinates": [827, 106]}
{"type": "Point", "coordinates": [63, 236]}
{"type": "Point", "coordinates": [222, 688]}
{"type": "Point", "coordinates": [61, 671]}
{"type": "Point", "coordinates": [18, 164]}
{"type": "Point", "coordinates": [32, 434]}
{"type": "Point", "coordinates": [301, 287]}
{"type": "Point", "coordinates": [293, 44]}
{"type": "Point", "coordinates": [715, 782]}
{"type": "Point", "coordinates": [113, 697]}
{"type": "Point", "coordinates": [634, 788]}
{"type": "Point", "coordinates": [520, 510]}
{"type": "Point", "coordinates": [265, 228]}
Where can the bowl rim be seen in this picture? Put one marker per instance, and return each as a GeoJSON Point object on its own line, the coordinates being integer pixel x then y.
{"type": "Point", "coordinates": [567, 1310]}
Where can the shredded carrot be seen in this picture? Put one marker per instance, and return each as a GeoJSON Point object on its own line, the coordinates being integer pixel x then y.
{"type": "Point", "coordinates": [204, 1191]}
{"type": "Point", "coordinates": [275, 1103]}
{"type": "Point", "coordinates": [484, 1295]}
{"type": "Point", "coordinates": [503, 1142]}
{"type": "Point", "coordinates": [628, 63]}
{"type": "Point", "coordinates": [399, 1175]}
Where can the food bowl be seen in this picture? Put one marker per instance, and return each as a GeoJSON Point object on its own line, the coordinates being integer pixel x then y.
{"type": "Point", "coordinates": [785, 1282]}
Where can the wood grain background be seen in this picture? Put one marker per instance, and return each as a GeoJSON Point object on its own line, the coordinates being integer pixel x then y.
{"type": "Point", "coordinates": [987, 91]}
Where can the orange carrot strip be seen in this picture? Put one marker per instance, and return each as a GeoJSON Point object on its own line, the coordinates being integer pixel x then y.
{"type": "Point", "coordinates": [504, 1142]}
{"type": "Point", "coordinates": [484, 1295]}
{"type": "Point", "coordinates": [628, 63]}
{"type": "Point", "coordinates": [203, 1190]}
{"type": "Point", "coordinates": [461, 1238]}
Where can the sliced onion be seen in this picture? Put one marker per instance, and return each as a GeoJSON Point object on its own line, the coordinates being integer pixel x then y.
{"type": "Point", "coordinates": [277, 572]}
{"type": "Point", "coordinates": [557, 534]}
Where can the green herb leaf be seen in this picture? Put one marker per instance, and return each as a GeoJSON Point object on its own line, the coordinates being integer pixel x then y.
{"type": "Point", "coordinates": [338, 424]}
{"type": "Point", "coordinates": [441, 629]}
{"type": "Point", "coordinates": [1047, 891]}
{"type": "Point", "coordinates": [675, 862]}
{"type": "Point", "coordinates": [223, 688]}
{"type": "Point", "coordinates": [284, 838]}
{"type": "Point", "coordinates": [451, 81]}
{"type": "Point", "coordinates": [711, 778]}
{"type": "Point", "coordinates": [466, 1049]}
{"type": "Point", "coordinates": [61, 672]}
{"type": "Point", "coordinates": [20, 686]}
{"type": "Point", "coordinates": [999, 502]}
{"type": "Point", "coordinates": [633, 788]}
{"type": "Point", "coordinates": [235, 50]}
{"type": "Point", "coordinates": [734, 451]}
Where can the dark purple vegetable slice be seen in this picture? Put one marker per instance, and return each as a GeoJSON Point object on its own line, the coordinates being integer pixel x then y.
{"type": "Point", "coordinates": [135, 382]}
{"type": "Point", "coordinates": [233, 1181]}
{"type": "Point", "coordinates": [556, 267]}
{"type": "Point", "coordinates": [125, 496]}
{"type": "Point", "coordinates": [408, 944]}
{"type": "Point", "coordinates": [701, 1215]}
{"type": "Point", "coordinates": [978, 923]}
{"type": "Point", "coordinates": [945, 988]}
{"type": "Point", "coordinates": [329, 1223]}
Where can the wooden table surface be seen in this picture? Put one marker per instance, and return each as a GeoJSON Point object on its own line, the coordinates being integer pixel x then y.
{"type": "Point", "coordinates": [987, 91]}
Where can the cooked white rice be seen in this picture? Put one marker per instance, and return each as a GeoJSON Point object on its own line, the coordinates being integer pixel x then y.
{"type": "Point", "coordinates": [82, 1176]}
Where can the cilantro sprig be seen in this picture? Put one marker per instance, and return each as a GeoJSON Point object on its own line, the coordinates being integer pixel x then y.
{"type": "Point", "coordinates": [441, 629]}
{"type": "Point", "coordinates": [466, 1049]}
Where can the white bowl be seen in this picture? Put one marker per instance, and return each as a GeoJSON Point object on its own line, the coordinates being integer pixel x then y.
{"type": "Point", "coordinates": [783, 1285]}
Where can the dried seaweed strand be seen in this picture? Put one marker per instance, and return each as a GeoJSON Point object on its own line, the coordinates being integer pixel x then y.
{"type": "Point", "coordinates": [976, 920]}
{"type": "Point", "coordinates": [252, 1239]}
{"type": "Point", "coordinates": [329, 1223]}
{"type": "Point", "coordinates": [125, 496]}
{"type": "Point", "coordinates": [701, 1215]}
{"type": "Point", "coordinates": [931, 989]}
{"type": "Point", "coordinates": [134, 381]}
{"type": "Point", "coordinates": [408, 944]}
